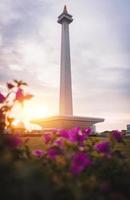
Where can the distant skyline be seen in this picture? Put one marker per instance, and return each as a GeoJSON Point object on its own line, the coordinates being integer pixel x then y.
{"type": "Point", "coordinates": [100, 50]}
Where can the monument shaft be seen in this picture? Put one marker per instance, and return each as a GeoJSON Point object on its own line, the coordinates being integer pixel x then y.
{"type": "Point", "coordinates": [66, 105]}
{"type": "Point", "coordinates": [66, 120]}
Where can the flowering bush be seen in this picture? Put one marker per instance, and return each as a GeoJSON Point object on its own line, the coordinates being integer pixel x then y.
{"type": "Point", "coordinates": [15, 93]}
{"type": "Point", "coordinates": [70, 165]}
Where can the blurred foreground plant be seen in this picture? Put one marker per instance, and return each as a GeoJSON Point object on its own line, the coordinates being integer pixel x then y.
{"type": "Point", "coordinates": [65, 168]}
{"type": "Point", "coordinates": [15, 93]}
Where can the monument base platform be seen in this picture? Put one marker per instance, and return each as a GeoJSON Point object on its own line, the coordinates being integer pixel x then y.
{"type": "Point", "coordinates": [67, 122]}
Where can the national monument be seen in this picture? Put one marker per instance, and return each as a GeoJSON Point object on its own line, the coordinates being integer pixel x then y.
{"type": "Point", "coordinates": [66, 119]}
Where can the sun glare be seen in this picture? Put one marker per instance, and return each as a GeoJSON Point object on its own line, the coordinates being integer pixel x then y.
{"type": "Point", "coordinates": [15, 123]}
{"type": "Point", "coordinates": [31, 110]}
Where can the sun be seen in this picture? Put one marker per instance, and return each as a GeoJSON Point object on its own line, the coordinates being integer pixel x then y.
{"type": "Point", "coordinates": [32, 109]}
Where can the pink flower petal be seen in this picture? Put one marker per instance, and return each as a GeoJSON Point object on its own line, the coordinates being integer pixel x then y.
{"type": "Point", "coordinates": [2, 98]}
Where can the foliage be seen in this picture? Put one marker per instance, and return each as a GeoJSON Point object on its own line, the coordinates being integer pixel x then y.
{"type": "Point", "coordinates": [70, 165]}
{"type": "Point", "coordinates": [15, 93]}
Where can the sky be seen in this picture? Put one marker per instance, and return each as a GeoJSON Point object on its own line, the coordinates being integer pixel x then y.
{"type": "Point", "coordinates": [100, 49]}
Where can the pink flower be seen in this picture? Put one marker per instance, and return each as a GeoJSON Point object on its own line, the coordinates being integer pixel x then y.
{"type": "Point", "coordinates": [76, 135]}
{"type": "Point", "coordinates": [102, 147]}
{"type": "Point", "coordinates": [64, 133]}
{"type": "Point", "coordinates": [52, 153]}
{"type": "Point", "coordinates": [2, 98]}
{"type": "Point", "coordinates": [13, 142]}
{"type": "Point", "coordinates": [59, 142]}
{"type": "Point", "coordinates": [38, 153]}
{"type": "Point", "coordinates": [87, 131]}
{"type": "Point", "coordinates": [117, 135]}
{"type": "Point", "coordinates": [19, 95]}
{"type": "Point", "coordinates": [73, 135]}
{"type": "Point", "coordinates": [79, 162]}
{"type": "Point", "coordinates": [47, 138]}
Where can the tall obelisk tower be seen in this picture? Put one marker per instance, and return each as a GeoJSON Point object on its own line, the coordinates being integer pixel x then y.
{"type": "Point", "coordinates": [66, 105]}
{"type": "Point", "coordinates": [65, 119]}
